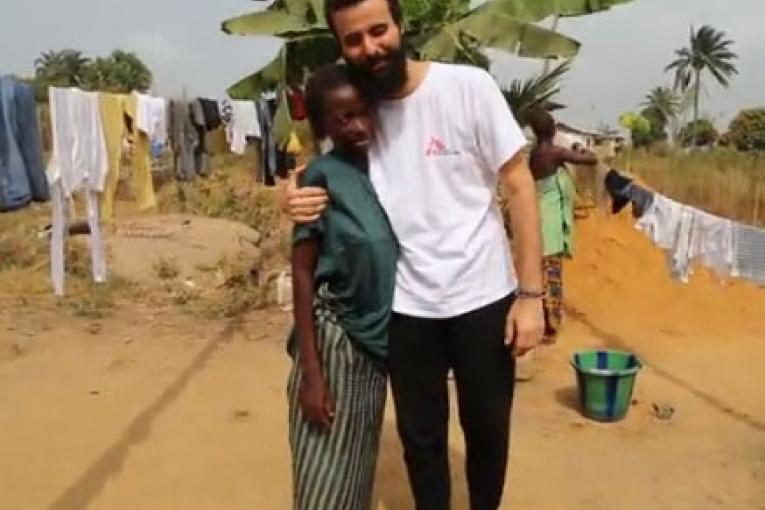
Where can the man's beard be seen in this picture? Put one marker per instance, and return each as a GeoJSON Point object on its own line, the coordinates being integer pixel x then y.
{"type": "Point", "coordinates": [385, 84]}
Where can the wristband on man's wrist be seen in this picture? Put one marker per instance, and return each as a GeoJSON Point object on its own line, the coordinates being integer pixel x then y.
{"type": "Point", "coordinates": [530, 294]}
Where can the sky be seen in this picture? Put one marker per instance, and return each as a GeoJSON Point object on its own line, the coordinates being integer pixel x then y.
{"type": "Point", "coordinates": [623, 55]}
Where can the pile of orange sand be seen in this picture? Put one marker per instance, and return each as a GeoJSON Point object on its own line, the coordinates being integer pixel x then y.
{"type": "Point", "coordinates": [618, 273]}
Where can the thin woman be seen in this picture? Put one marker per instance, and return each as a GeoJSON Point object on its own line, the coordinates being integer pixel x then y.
{"type": "Point", "coordinates": [556, 192]}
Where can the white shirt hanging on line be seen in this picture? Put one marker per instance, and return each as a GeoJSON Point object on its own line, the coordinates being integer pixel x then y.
{"type": "Point", "coordinates": [244, 122]}
{"type": "Point", "coordinates": [661, 221]}
{"type": "Point", "coordinates": [78, 163]}
{"type": "Point", "coordinates": [712, 241]}
{"type": "Point", "coordinates": [687, 234]}
{"type": "Point", "coordinates": [79, 158]}
{"type": "Point", "coordinates": [151, 113]}
{"type": "Point", "coordinates": [681, 254]}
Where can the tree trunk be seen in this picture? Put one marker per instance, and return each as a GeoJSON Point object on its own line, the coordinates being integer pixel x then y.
{"type": "Point", "coordinates": [672, 134]}
{"type": "Point", "coordinates": [696, 90]}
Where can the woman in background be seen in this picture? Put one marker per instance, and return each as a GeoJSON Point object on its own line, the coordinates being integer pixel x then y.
{"type": "Point", "coordinates": [557, 192]}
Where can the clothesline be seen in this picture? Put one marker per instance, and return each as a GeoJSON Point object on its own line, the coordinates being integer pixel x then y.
{"type": "Point", "coordinates": [181, 125]}
{"type": "Point", "coordinates": [687, 234]}
{"type": "Point", "coordinates": [88, 130]}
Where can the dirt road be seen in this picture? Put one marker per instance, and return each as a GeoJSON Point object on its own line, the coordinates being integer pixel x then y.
{"type": "Point", "coordinates": [155, 409]}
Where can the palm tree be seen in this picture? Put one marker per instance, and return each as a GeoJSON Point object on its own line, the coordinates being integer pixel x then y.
{"type": "Point", "coordinates": [129, 72]}
{"type": "Point", "coordinates": [664, 101]}
{"type": "Point", "coordinates": [664, 105]}
{"type": "Point", "coordinates": [525, 96]}
{"type": "Point", "coordinates": [708, 50]}
{"type": "Point", "coordinates": [120, 72]}
{"type": "Point", "coordinates": [62, 68]}
{"type": "Point", "coordinates": [44, 61]}
{"type": "Point", "coordinates": [637, 126]}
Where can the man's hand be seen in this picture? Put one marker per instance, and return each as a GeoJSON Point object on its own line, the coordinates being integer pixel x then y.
{"type": "Point", "coordinates": [316, 401]}
{"type": "Point", "coordinates": [303, 205]}
{"type": "Point", "coordinates": [525, 322]}
{"type": "Point", "coordinates": [525, 326]}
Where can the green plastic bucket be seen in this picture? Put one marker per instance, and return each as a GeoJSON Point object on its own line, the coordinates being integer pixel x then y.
{"type": "Point", "coordinates": [605, 379]}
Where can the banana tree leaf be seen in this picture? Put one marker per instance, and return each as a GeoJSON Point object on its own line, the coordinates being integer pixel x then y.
{"type": "Point", "coordinates": [318, 9]}
{"type": "Point", "coordinates": [497, 31]}
{"type": "Point", "coordinates": [296, 54]}
{"type": "Point", "coordinates": [282, 122]}
{"type": "Point", "coordinates": [273, 23]}
{"type": "Point", "coordinates": [537, 10]}
{"type": "Point", "coordinates": [284, 126]}
{"type": "Point", "coordinates": [294, 7]}
{"type": "Point", "coordinates": [267, 78]}
{"type": "Point", "coordinates": [573, 8]}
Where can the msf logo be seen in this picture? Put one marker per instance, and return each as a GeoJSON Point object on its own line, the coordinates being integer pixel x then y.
{"type": "Point", "coordinates": [437, 147]}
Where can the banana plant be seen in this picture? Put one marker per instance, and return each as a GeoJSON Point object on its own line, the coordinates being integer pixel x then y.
{"type": "Point", "coordinates": [637, 125]}
{"type": "Point", "coordinates": [445, 30]}
{"type": "Point", "coordinates": [297, 53]}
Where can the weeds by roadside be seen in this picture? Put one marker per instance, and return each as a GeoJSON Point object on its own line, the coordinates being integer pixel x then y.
{"type": "Point", "coordinates": [236, 283]}
{"type": "Point", "coordinates": [166, 268]}
{"type": "Point", "coordinates": [722, 181]}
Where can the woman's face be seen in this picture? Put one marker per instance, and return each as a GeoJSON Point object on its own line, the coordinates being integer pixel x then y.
{"type": "Point", "coordinates": [348, 121]}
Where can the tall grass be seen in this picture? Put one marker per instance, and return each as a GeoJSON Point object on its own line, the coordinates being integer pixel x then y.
{"type": "Point", "coordinates": [724, 182]}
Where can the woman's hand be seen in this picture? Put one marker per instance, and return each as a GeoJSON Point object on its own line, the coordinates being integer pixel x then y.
{"type": "Point", "coordinates": [316, 401]}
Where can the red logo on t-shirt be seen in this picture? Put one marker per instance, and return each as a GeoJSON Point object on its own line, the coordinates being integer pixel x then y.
{"type": "Point", "coordinates": [437, 147]}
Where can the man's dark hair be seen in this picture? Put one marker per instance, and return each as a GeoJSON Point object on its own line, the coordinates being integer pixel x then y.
{"type": "Point", "coordinates": [322, 82]}
{"type": "Point", "coordinates": [543, 124]}
{"type": "Point", "coordinates": [332, 6]}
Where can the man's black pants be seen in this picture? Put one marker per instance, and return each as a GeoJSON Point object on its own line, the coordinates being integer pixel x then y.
{"type": "Point", "coordinates": [421, 353]}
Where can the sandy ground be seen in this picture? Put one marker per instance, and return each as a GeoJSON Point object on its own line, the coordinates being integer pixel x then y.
{"type": "Point", "coordinates": [185, 241]}
{"type": "Point", "coordinates": [156, 409]}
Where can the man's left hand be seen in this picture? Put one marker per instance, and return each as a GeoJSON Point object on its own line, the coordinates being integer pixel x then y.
{"type": "Point", "coordinates": [525, 326]}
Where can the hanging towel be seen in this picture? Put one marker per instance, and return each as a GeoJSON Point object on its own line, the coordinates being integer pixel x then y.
{"type": "Point", "coordinates": [712, 242]}
{"type": "Point", "coordinates": [185, 140]}
{"type": "Point", "coordinates": [113, 121]}
{"type": "Point", "coordinates": [617, 185]}
{"type": "Point", "coordinates": [79, 162]}
{"type": "Point", "coordinates": [151, 117]}
{"type": "Point", "coordinates": [30, 143]}
{"type": "Point", "coordinates": [210, 113]}
{"type": "Point", "coordinates": [267, 141]}
{"type": "Point", "coordinates": [141, 179]}
{"type": "Point", "coordinates": [661, 221]}
{"type": "Point", "coordinates": [293, 146]}
{"type": "Point", "coordinates": [296, 101]}
{"type": "Point", "coordinates": [623, 191]}
{"type": "Point", "coordinates": [15, 187]}
{"type": "Point", "coordinates": [689, 234]}
{"type": "Point", "coordinates": [681, 253]}
{"type": "Point", "coordinates": [244, 122]}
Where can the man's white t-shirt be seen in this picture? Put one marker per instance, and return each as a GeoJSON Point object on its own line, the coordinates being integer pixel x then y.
{"type": "Point", "coordinates": [435, 166]}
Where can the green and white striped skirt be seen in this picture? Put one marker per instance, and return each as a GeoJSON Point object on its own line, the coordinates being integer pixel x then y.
{"type": "Point", "coordinates": [334, 469]}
